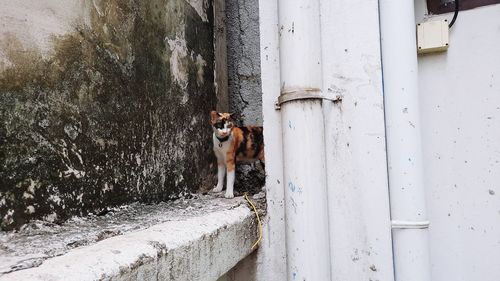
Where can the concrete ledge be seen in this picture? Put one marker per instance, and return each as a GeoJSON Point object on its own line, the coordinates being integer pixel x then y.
{"type": "Point", "coordinates": [197, 248]}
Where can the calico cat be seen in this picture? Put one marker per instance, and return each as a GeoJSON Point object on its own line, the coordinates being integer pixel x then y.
{"type": "Point", "coordinates": [233, 144]}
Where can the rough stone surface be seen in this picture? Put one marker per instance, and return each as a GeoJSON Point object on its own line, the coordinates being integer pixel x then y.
{"type": "Point", "coordinates": [244, 82]}
{"type": "Point", "coordinates": [107, 109]}
{"type": "Point", "coordinates": [250, 178]}
{"type": "Point", "coordinates": [243, 52]}
{"type": "Point", "coordinates": [188, 247]}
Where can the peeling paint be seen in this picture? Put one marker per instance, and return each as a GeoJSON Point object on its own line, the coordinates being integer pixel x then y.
{"type": "Point", "coordinates": [30, 209]}
{"type": "Point", "coordinates": [178, 60]}
{"type": "Point", "coordinates": [200, 64]}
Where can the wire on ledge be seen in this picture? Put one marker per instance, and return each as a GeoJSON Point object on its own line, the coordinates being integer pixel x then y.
{"type": "Point", "coordinates": [258, 220]}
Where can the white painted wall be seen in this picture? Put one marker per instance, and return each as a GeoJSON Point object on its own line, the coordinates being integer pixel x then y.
{"type": "Point", "coordinates": [360, 231]}
{"type": "Point", "coordinates": [460, 109]}
{"type": "Point", "coordinates": [272, 254]}
{"type": "Point", "coordinates": [360, 234]}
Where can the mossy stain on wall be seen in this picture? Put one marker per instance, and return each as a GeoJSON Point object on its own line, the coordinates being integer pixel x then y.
{"type": "Point", "coordinates": [102, 121]}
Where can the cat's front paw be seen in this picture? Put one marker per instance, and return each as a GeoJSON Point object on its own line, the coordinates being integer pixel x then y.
{"type": "Point", "coordinates": [217, 189]}
{"type": "Point", "coordinates": [229, 195]}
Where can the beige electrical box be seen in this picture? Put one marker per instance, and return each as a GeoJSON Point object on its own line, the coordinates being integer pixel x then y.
{"type": "Point", "coordinates": [432, 36]}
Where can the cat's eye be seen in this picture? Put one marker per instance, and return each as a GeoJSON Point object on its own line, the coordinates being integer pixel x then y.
{"type": "Point", "coordinates": [219, 125]}
{"type": "Point", "coordinates": [230, 125]}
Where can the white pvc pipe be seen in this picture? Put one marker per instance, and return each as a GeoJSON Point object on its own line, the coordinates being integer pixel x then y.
{"type": "Point", "coordinates": [306, 211]}
{"type": "Point", "coordinates": [405, 167]}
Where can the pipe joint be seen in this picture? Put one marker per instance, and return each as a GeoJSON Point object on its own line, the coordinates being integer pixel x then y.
{"type": "Point", "coordinates": [400, 224]}
{"type": "Point", "coordinates": [288, 95]}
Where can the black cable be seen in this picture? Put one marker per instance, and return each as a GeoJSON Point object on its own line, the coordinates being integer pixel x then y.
{"type": "Point", "coordinates": [455, 15]}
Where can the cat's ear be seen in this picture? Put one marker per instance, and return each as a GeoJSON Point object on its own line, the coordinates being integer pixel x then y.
{"type": "Point", "coordinates": [213, 116]}
{"type": "Point", "coordinates": [233, 115]}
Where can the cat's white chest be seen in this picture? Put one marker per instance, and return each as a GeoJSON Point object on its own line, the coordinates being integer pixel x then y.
{"type": "Point", "coordinates": [221, 148]}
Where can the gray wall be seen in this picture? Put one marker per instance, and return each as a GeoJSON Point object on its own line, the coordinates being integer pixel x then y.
{"type": "Point", "coordinates": [102, 103]}
{"type": "Point", "coordinates": [243, 78]}
{"type": "Point", "coordinates": [243, 60]}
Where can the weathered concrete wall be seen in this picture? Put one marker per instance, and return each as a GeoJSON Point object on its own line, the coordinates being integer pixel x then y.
{"type": "Point", "coordinates": [243, 60]}
{"type": "Point", "coordinates": [243, 78]}
{"type": "Point", "coordinates": [102, 103]}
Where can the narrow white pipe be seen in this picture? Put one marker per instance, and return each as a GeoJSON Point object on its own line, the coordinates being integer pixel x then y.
{"type": "Point", "coordinates": [405, 167]}
{"type": "Point", "coordinates": [306, 211]}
